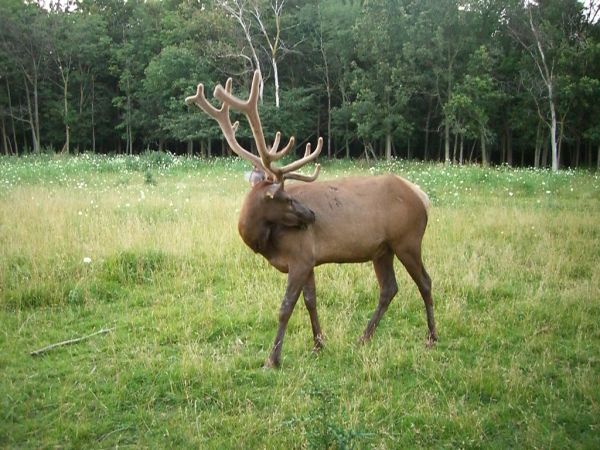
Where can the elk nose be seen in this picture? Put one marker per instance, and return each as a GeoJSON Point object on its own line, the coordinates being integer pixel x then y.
{"type": "Point", "coordinates": [304, 214]}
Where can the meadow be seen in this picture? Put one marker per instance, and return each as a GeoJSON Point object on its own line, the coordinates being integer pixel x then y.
{"type": "Point", "coordinates": [147, 247]}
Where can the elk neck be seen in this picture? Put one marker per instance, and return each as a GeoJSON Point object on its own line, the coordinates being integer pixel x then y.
{"type": "Point", "coordinates": [252, 225]}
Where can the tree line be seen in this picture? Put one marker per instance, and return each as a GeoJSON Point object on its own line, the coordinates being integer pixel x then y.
{"type": "Point", "coordinates": [512, 82]}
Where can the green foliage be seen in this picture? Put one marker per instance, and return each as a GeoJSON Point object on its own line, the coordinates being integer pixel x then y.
{"type": "Point", "coordinates": [408, 76]}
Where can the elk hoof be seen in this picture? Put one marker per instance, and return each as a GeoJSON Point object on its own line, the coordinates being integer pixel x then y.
{"type": "Point", "coordinates": [271, 364]}
{"type": "Point", "coordinates": [364, 339]}
{"type": "Point", "coordinates": [431, 340]}
{"type": "Point", "coordinates": [319, 344]}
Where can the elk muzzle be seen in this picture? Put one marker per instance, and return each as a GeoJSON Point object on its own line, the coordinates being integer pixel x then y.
{"type": "Point", "coordinates": [299, 216]}
{"type": "Point", "coordinates": [285, 210]}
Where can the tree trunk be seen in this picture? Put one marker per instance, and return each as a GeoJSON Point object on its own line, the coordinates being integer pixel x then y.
{"type": "Point", "coordinates": [576, 158]}
{"type": "Point", "coordinates": [462, 147]}
{"type": "Point", "coordinates": [446, 121]}
{"type": "Point", "coordinates": [446, 142]}
{"type": "Point", "coordinates": [509, 148]}
{"type": "Point", "coordinates": [226, 151]}
{"type": "Point", "coordinates": [560, 140]}
{"type": "Point", "coordinates": [545, 154]}
{"type": "Point", "coordinates": [454, 148]}
{"type": "Point", "coordinates": [427, 124]}
{"type": "Point", "coordinates": [369, 150]}
{"type": "Point", "coordinates": [37, 146]}
{"type": "Point", "coordinates": [276, 79]}
{"type": "Point", "coordinates": [548, 78]}
{"type": "Point", "coordinates": [25, 148]}
{"type": "Point", "coordinates": [66, 146]}
{"type": "Point", "coordinates": [93, 115]}
{"type": "Point", "coordinates": [4, 137]}
{"type": "Point", "coordinates": [538, 148]}
{"type": "Point", "coordinates": [30, 113]}
{"type": "Point", "coordinates": [327, 80]}
{"type": "Point", "coordinates": [553, 131]}
{"type": "Point", "coordinates": [129, 132]}
{"type": "Point", "coordinates": [388, 146]}
{"type": "Point", "coordinates": [328, 90]}
{"type": "Point", "coordinates": [485, 161]}
{"type": "Point", "coordinates": [12, 119]}
{"type": "Point", "coordinates": [81, 103]}
{"type": "Point", "coordinates": [472, 151]}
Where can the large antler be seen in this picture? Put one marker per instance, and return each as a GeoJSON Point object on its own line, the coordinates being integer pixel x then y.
{"type": "Point", "coordinates": [267, 156]}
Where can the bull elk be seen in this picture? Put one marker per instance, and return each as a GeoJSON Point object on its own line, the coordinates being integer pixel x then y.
{"type": "Point", "coordinates": [307, 224]}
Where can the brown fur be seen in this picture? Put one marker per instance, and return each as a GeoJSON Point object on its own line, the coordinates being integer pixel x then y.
{"type": "Point", "coordinates": [342, 221]}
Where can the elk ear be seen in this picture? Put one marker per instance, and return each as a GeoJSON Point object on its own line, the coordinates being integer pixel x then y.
{"type": "Point", "coordinates": [272, 190]}
{"type": "Point", "coordinates": [256, 176]}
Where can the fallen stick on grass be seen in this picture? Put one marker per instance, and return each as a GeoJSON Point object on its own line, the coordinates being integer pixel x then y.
{"type": "Point", "coordinates": [69, 342]}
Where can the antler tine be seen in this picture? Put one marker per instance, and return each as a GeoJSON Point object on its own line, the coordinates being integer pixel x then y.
{"type": "Point", "coordinates": [221, 115]}
{"type": "Point", "coordinates": [274, 153]}
{"type": "Point", "coordinates": [275, 145]}
{"type": "Point", "coordinates": [301, 177]}
{"type": "Point", "coordinates": [246, 106]}
{"type": "Point", "coordinates": [200, 100]}
{"type": "Point", "coordinates": [308, 157]}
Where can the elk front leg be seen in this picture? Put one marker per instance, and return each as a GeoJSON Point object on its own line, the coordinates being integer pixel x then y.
{"type": "Point", "coordinates": [296, 280]}
{"type": "Point", "coordinates": [310, 301]}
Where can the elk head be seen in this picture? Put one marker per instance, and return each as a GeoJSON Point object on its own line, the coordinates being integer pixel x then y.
{"type": "Point", "coordinates": [267, 206]}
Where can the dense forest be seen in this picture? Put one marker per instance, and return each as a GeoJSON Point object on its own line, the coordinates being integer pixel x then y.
{"type": "Point", "coordinates": [512, 82]}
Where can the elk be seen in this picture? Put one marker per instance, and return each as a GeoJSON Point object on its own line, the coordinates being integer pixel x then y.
{"type": "Point", "coordinates": [304, 225]}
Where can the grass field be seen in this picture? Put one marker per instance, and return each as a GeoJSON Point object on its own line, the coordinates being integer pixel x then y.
{"type": "Point", "coordinates": [149, 246]}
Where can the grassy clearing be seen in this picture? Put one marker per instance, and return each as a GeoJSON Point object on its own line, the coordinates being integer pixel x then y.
{"type": "Point", "coordinates": [514, 256]}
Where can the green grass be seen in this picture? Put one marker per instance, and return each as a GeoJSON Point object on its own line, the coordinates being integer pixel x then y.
{"type": "Point", "coordinates": [513, 254]}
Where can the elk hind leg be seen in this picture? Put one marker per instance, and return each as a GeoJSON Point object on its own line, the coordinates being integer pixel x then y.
{"type": "Point", "coordinates": [310, 301]}
{"type": "Point", "coordinates": [411, 259]}
{"type": "Point", "coordinates": [384, 270]}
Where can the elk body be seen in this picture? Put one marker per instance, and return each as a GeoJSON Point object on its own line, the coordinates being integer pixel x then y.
{"type": "Point", "coordinates": [343, 221]}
